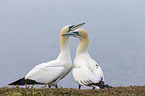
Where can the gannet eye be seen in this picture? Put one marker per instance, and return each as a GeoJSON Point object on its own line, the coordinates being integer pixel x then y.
{"type": "Point", "coordinates": [70, 28]}
{"type": "Point", "coordinates": [77, 33]}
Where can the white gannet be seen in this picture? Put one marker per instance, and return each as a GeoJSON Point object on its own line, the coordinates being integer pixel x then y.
{"type": "Point", "coordinates": [53, 71]}
{"type": "Point", "coordinates": [86, 70]}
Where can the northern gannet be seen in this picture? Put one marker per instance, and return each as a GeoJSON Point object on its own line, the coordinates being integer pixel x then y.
{"type": "Point", "coordinates": [86, 70]}
{"type": "Point", "coordinates": [53, 71]}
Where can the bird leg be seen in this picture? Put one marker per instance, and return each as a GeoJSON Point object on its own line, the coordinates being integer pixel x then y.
{"type": "Point", "coordinates": [80, 86]}
{"type": "Point", "coordinates": [45, 86]}
{"type": "Point", "coordinates": [55, 86]}
{"type": "Point", "coordinates": [49, 86]}
{"type": "Point", "coordinates": [93, 87]}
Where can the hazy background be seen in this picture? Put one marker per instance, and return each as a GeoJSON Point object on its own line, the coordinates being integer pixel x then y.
{"type": "Point", "coordinates": [29, 35]}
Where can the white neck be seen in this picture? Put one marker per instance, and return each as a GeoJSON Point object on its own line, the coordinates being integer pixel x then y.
{"type": "Point", "coordinates": [82, 48]}
{"type": "Point", "coordinates": [65, 51]}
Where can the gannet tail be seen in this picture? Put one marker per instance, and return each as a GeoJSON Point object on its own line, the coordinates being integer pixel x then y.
{"type": "Point", "coordinates": [102, 85]}
{"type": "Point", "coordinates": [24, 81]}
{"type": "Point", "coordinates": [107, 86]}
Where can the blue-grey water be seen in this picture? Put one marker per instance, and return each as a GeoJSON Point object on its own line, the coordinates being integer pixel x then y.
{"type": "Point", "coordinates": [29, 35]}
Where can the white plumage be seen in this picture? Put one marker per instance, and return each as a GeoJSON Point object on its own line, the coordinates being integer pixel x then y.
{"type": "Point", "coordinates": [86, 70]}
{"type": "Point", "coordinates": [51, 72]}
{"type": "Point", "coordinates": [47, 72]}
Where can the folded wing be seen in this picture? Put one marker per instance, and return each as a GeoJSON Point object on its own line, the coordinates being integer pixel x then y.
{"type": "Point", "coordinates": [44, 73]}
{"type": "Point", "coordinates": [84, 76]}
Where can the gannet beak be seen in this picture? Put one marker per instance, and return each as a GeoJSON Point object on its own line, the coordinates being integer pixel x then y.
{"type": "Point", "coordinates": [76, 26]}
{"type": "Point", "coordinates": [72, 33]}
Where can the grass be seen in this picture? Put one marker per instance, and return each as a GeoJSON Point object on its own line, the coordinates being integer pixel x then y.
{"type": "Point", "coordinates": [116, 91]}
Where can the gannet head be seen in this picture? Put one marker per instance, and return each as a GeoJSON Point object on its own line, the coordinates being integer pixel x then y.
{"type": "Point", "coordinates": [70, 28]}
{"type": "Point", "coordinates": [80, 33]}
{"type": "Point", "coordinates": [84, 39]}
{"type": "Point", "coordinates": [64, 39]}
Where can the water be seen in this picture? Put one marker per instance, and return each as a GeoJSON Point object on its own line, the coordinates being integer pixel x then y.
{"type": "Point", "coordinates": [29, 35]}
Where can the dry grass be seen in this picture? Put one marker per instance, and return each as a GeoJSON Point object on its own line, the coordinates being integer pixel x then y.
{"type": "Point", "coordinates": [121, 91]}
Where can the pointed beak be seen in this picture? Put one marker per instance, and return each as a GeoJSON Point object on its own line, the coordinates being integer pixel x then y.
{"type": "Point", "coordinates": [72, 33]}
{"type": "Point", "coordinates": [76, 26]}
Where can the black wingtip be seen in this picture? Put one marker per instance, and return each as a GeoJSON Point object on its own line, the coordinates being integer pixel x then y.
{"type": "Point", "coordinates": [17, 82]}
{"type": "Point", "coordinates": [24, 81]}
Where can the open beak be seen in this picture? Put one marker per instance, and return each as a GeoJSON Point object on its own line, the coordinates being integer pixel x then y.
{"type": "Point", "coordinates": [76, 26]}
{"type": "Point", "coordinates": [72, 30]}
{"type": "Point", "coordinates": [72, 33]}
